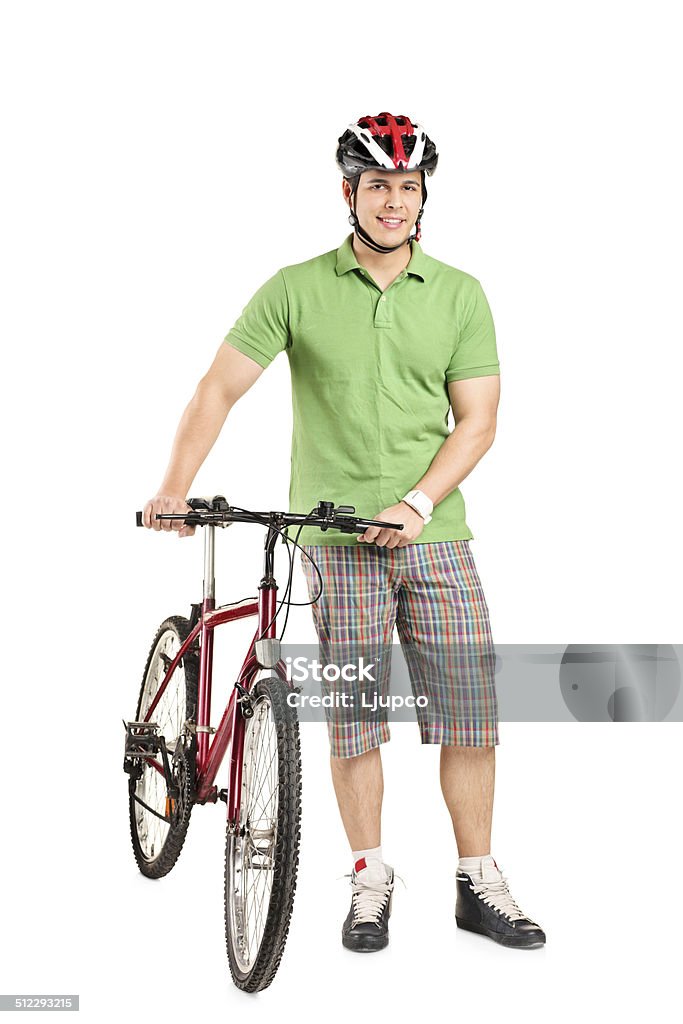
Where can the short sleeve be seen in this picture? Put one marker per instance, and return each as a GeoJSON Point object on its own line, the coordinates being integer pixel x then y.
{"type": "Point", "coordinates": [262, 329]}
{"type": "Point", "coordinates": [475, 352]}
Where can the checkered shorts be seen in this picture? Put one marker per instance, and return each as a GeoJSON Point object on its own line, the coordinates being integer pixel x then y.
{"type": "Point", "coordinates": [433, 595]}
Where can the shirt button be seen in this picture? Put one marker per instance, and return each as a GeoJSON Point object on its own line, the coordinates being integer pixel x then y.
{"type": "Point", "coordinates": [384, 298]}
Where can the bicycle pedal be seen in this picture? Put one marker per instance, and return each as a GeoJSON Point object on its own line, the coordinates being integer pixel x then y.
{"type": "Point", "coordinates": [144, 752]}
{"type": "Point", "coordinates": [141, 744]}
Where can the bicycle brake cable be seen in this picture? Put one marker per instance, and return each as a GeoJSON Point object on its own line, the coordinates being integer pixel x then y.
{"type": "Point", "coordinates": [288, 540]}
{"type": "Point", "coordinates": [290, 578]}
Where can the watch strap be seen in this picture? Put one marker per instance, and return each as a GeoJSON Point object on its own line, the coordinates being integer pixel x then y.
{"type": "Point", "coordinates": [419, 501]}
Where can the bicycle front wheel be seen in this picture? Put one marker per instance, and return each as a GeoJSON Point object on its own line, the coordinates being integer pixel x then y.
{"type": "Point", "coordinates": [262, 857]}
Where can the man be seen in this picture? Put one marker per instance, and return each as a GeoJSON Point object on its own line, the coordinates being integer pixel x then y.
{"type": "Point", "coordinates": [382, 340]}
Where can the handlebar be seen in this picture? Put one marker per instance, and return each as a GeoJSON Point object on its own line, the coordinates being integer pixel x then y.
{"type": "Point", "coordinates": [217, 512]}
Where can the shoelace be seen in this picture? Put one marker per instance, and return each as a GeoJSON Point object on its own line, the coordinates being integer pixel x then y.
{"type": "Point", "coordinates": [497, 895]}
{"type": "Point", "coordinates": [368, 903]}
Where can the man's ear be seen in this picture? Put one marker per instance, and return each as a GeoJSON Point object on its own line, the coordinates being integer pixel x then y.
{"type": "Point", "coordinates": [348, 185]}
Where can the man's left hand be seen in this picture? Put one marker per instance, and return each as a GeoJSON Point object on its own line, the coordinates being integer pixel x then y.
{"type": "Point", "coordinates": [413, 525]}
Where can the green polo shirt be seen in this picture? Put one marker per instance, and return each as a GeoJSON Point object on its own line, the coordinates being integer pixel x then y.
{"type": "Point", "coordinates": [369, 376]}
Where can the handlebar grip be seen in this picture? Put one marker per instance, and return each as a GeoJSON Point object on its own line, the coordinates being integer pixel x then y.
{"type": "Point", "coordinates": [138, 519]}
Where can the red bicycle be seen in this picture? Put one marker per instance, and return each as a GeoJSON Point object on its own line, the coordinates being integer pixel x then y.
{"type": "Point", "coordinates": [172, 753]}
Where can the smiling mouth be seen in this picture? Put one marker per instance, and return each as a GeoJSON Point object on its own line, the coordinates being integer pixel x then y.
{"type": "Point", "coordinates": [391, 222]}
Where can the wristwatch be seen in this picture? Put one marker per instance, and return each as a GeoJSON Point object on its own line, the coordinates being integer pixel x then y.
{"type": "Point", "coordinates": [419, 501]}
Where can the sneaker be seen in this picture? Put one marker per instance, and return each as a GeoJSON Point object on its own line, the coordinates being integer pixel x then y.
{"type": "Point", "coordinates": [366, 927]}
{"type": "Point", "coordinates": [488, 908]}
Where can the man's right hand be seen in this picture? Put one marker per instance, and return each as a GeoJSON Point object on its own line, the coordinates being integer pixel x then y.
{"type": "Point", "coordinates": [166, 504]}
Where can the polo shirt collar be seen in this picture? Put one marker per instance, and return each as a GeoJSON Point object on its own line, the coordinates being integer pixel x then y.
{"type": "Point", "coordinates": [346, 259]}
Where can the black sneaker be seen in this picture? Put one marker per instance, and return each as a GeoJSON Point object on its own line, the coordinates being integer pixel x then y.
{"type": "Point", "coordinates": [488, 908]}
{"type": "Point", "coordinates": [366, 927]}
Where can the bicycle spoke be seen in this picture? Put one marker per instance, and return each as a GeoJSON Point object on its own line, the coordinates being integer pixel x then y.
{"type": "Point", "coordinates": [170, 715]}
{"type": "Point", "coordinates": [266, 778]}
{"type": "Point", "coordinates": [254, 860]}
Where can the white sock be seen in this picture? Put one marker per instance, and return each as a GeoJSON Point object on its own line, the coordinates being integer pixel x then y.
{"type": "Point", "coordinates": [483, 868]}
{"type": "Point", "coordinates": [369, 865]}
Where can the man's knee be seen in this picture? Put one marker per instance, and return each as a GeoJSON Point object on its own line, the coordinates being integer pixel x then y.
{"type": "Point", "coordinates": [354, 762]}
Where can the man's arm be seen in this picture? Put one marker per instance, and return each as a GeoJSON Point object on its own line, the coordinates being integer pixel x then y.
{"type": "Point", "coordinates": [475, 405]}
{"type": "Point", "coordinates": [228, 378]}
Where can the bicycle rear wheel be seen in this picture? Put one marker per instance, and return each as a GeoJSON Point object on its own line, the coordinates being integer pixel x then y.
{"type": "Point", "coordinates": [262, 857]}
{"type": "Point", "coordinates": [158, 825]}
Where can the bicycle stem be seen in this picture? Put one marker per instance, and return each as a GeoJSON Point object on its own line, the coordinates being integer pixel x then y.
{"type": "Point", "coordinates": [269, 552]}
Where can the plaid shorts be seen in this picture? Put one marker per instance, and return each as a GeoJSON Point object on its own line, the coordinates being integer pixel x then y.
{"type": "Point", "coordinates": [432, 593]}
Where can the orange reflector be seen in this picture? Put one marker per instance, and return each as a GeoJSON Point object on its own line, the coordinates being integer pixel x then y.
{"type": "Point", "coordinates": [170, 806]}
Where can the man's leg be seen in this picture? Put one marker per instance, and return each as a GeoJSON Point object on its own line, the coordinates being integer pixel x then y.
{"type": "Point", "coordinates": [359, 786]}
{"type": "Point", "coordinates": [484, 903]}
{"type": "Point", "coordinates": [444, 601]}
{"type": "Point", "coordinates": [443, 625]}
{"type": "Point", "coordinates": [354, 616]}
{"type": "Point", "coordinates": [467, 783]}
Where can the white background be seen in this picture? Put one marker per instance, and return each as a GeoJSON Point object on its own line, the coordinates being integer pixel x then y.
{"type": "Point", "coordinates": [162, 160]}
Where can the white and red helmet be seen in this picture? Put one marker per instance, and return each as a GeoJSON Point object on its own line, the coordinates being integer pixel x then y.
{"type": "Point", "coordinates": [392, 143]}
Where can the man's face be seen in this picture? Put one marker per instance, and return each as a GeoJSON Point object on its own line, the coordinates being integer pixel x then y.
{"type": "Point", "coordinates": [387, 203]}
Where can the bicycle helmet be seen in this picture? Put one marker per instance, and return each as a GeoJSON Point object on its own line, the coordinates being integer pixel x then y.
{"type": "Point", "coordinates": [390, 143]}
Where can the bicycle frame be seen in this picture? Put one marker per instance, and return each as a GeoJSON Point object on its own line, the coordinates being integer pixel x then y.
{"type": "Point", "coordinates": [230, 731]}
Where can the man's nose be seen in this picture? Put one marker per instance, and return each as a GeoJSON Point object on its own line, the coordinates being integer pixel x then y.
{"type": "Point", "coordinates": [394, 199]}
